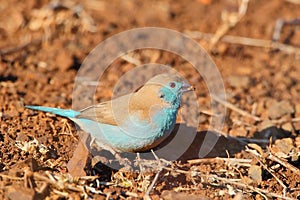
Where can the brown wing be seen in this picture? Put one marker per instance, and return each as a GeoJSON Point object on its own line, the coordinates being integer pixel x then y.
{"type": "Point", "coordinates": [144, 103]}
{"type": "Point", "coordinates": [109, 112]}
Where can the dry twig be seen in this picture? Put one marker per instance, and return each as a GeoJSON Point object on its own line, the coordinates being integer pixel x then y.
{"type": "Point", "coordinates": [230, 20]}
{"type": "Point", "coordinates": [236, 182]}
{"type": "Point", "coordinates": [131, 60]}
{"type": "Point", "coordinates": [261, 160]}
{"type": "Point", "coordinates": [241, 162]}
{"type": "Point", "coordinates": [234, 108]}
{"type": "Point", "coordinates": [20, 47]}
{"type": "Point", "coordinates": [283, 163]}
{"type": "Point", "coordinates": [294, 1]}
{"type": "Point", "coordinates": [248, 42]}
{"type": "Point", "coordinates": [147, 194]}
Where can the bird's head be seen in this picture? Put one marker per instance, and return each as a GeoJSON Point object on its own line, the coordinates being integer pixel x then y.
{"type": "Point", "coordinates": [168, 87]}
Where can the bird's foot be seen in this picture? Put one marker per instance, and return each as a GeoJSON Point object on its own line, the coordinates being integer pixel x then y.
{"type": "Point", "coordinates": [151, 165]}
{"type": "Point", "coordinates": [124, 161]}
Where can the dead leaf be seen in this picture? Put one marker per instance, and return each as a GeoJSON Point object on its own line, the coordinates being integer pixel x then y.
{"type": "Point", "coordinates": [78, 161]}
{"type": "Point", "coordinates": [255, 173]}
{"type": "Point", "coordinates": [257, 148]}
{"type": "Point", "coordinates": [284, 145]}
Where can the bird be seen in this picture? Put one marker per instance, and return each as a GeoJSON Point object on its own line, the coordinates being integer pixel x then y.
{"type": "Point", "coordinates": [136, 122]}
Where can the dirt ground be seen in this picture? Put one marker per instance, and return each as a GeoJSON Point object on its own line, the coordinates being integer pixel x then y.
{"type": "Point", "coordinates": [43, 44]}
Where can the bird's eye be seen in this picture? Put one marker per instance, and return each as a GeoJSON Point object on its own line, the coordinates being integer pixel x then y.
{"type": "Point", "coordinates": [172, 84]}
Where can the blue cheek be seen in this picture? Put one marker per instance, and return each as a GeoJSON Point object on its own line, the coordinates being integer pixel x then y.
{"type": "Point", "coordinates": [172, 96]}
{"type": "Point", "coordinates": [169, 95]}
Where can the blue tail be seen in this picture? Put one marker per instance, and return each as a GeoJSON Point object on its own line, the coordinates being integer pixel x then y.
{"type": "Point", "coordinates": [57, 111]}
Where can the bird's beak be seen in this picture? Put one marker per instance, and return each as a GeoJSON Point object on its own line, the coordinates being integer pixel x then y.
{"type": "Point", "coordinates": [186, 87]}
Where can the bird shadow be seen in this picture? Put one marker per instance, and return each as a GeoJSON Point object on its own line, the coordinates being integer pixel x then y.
{"type": "Point", "coordinates": [186, 143]}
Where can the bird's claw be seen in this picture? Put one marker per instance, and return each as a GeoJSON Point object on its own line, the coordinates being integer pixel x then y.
{"type": "Point", "coordinates": [125, 162]}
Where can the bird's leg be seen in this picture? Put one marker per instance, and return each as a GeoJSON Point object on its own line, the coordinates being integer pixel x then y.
{"type": "Point", "coordinates": [160, 161]}
{"type": "Point", "coordinates": [92, 141]}
{"type": "Point", "coordinates": [138, 159]}
{"type": "Point", "coordinates": [122, 161]}
{"type": "Point", "coordinates": [160, 168]}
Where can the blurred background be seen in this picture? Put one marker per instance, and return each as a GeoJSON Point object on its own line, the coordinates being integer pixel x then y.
{"type": "Point", "coordinates": [254, 43]}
